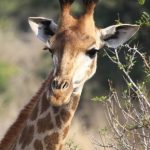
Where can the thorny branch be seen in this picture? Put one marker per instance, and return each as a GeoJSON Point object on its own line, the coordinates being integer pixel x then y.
{"type": "Point", "coordinates": [128, 115]}
{"type": "Point", "coordinates": [126, 71]}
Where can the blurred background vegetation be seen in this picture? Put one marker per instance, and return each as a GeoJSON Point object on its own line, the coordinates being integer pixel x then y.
{"type": "Point", "coordinates": [23, 64]}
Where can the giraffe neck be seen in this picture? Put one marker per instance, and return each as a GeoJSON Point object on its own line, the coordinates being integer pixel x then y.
{"type": "Point", "coordinates": [13, 132]}
{"type": "Point", "coordinates": [47, 127]}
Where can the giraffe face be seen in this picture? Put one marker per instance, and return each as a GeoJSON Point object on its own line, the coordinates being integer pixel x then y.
{"type": "Point", "coordinates": [74, 58]}
{"type": "Point", "coordinates": [74, 44]}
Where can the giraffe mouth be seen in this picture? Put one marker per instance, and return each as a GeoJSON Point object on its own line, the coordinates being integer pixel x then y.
{"type": "Point", "coordinates": [59, 97]}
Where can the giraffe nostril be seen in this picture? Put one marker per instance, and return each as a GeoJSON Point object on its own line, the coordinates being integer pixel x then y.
{"type": "Point", "coordinates": [58, 84]}
{"type": "Point", "coordinates": [64, 85]}
{"type": "Point", "coordinates": [54, 84]}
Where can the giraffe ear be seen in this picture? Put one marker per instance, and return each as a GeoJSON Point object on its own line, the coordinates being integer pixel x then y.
{"type": "Point", "coordinates": [42, 27]}
{"type": "Point", "coordinates": [116, 35]}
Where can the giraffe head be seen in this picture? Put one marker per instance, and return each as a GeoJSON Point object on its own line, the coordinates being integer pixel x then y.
{"type": "Point", "coordinates": [74, 44]}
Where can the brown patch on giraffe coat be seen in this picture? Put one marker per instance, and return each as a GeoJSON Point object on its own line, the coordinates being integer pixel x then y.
{"type": "Point", "coordinates": [51, 141]}
{"type": "Point", "coordinates": [45, 104]}
{"type": "Point", "coordinates": [35, 112]}
{"type": "Point", "coordinates": [45, 124]}
{"type": "Point", "coordinates": [38, 145]}
{"type": "Point", "coordinates": [65, 132]}
{"type": "Point", "coordinates": [26, 136]}
{"type": "Point", "coordinates": [65, 115]}
{"type": "Point", "coordinates": [51, 147]}
{"type": "Point", "coordinates": [58, 121]}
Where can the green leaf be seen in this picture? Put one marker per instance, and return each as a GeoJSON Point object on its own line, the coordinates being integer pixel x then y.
{"type": "Point", "coordinates": [144, 19]}
{"type": "Point", "coordinates": [103, 131]}
{"type": "Point", "coordinates": [141, 2]}
{"type": "Point", "coordinates": [100, 99]}
{"type": "Point", "coordinates": [129, 85]}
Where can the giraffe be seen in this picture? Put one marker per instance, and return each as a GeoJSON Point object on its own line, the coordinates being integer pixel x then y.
{"type": "Point", "coordinates": [74, 43]}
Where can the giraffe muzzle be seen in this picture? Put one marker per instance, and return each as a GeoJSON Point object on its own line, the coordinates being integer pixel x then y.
{"type": "Point", "coordinates": [61, 90]}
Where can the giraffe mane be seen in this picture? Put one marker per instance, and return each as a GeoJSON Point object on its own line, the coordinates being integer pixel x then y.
{"type": "Point", "coordinates": [18, 125]}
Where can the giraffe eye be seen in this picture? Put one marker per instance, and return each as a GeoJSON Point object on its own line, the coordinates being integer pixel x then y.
{"type": "Point", "coordinates": [92, 53]}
